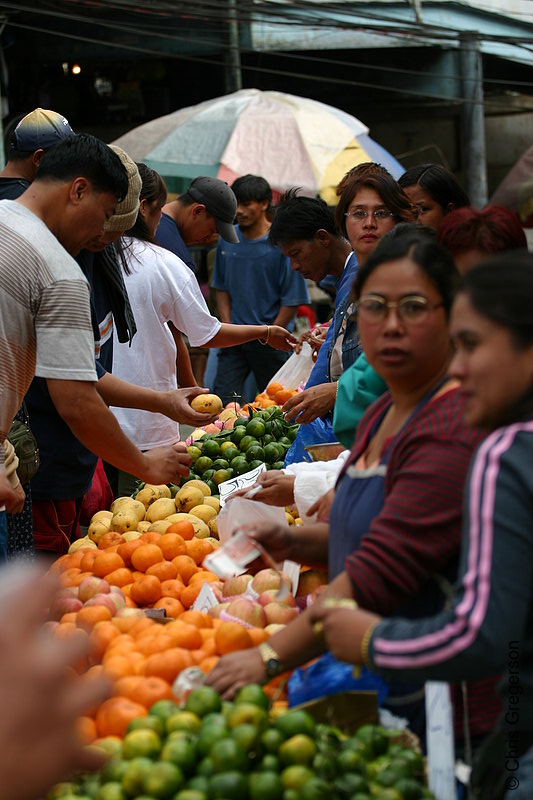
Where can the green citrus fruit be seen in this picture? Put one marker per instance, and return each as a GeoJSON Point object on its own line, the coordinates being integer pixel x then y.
{"type": "Point", "coordinates": [113, 770]}
{"type": "Point", "coordinates": [376, 743]}
{"type": "Point", "coordinates": [184, 721]}
{"type": "Point", "coordinates": [111, 745]}
{"type": "Point", "coordinates": [269, 763]}
{"type": "Point", "coordinates": [255, 453]}
{"type": "Point", "coordinates": [351, 761]}
{"type": "Point", "coordinates": [295, 776]}
{"type": "Point", "coordinates": [141, 743]}
{"type": "Point", "coordinates": [277, 465]}
{"type": "Point", "coordinates": [227, 754]}
{"type": "Point", "coordinates": [229, 785]}
{"type": "Point", "coordinates": [220, 463]}
{"type": "Point", "coordinates": [205, 767]}
{"type": "Point", "coordinates": [239, 432]}
{"type": "Point", "coordinates": [253, 693]}
{"type": "Point", "coordinates": [265, 786]}
{"type": "Point", "coordinates": [215, 718]}
{"type": "Point", "coordinates": [150, 722]}
{"type": "Point", "coordinates": [111, 791]}
{"type": "Point", "coordinates": [191, 794]}
{"type": "Point", "coordinates": [194, 452]}
{"type": "Point", "coordinates": [239, 465]}
{"type": "Point", "coordinates": [208, 737]}
{"type": "Point", "coordinates": [256, 428]}
{"type": "Point", "coordinates": [271, 740]}
{"type": "Point", "coordinates": [349, 784]}
{"type": "Point", "coordinates": [203, 463]}
{"type": "Point", "coordinates": [299, 749]}
{"type": "Point", "coordinates": [133, 778]}
{"type": "Point", "coordinates": [247, 736]}
{"type": "Point", "coordinates": [200, 783]}
{"type": "Point", "coordinates": [180, 752]}
{"type": "Point", "coordinates": [211, 448]}
{"type": "Point", "coordinates": [271, 453]}
{"type": "Point", "coordinates": [243, 713]}
{"type": "Point", "coordinates": [293, 722]}
{"type": "Point", "coordinates": [315, 789]}
{"type": "Point", "coordinates": [246, 441]}
{"type": "Point", "coordinates": [163, 780]}
{"type": "Point", "coordinates": [220, 476]}
{"type": "Point", "coordinates": [255, 464]}
{"type": "Point", "coordinates": [203, 700]}
{"type": "Point", "coordinates": [409, 789]}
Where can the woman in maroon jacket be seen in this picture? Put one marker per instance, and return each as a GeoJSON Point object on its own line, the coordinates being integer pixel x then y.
{"type": "Point", "coordinates": [395, 523]}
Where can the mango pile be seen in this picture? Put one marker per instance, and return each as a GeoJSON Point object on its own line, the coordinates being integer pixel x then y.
{"type": "Point", "coordinates": [245, 750]}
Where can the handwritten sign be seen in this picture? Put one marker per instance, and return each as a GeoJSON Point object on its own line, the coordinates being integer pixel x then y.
{"type": "Point", "coordinates": [206, 599]}
{"type": "Point", "coordinates": [227, 488]}
{"type": "Point", "coordinates": [439, 735]}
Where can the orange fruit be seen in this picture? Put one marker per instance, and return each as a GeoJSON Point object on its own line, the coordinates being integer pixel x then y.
{"type": "Point", "coordinates": [172, 606]}
{"type": "Point", "coordinates": [164, 570]}
{"type": "Point", "coordinates": [273, 388]}
{"type": "Point", "coordinates": [130, 603]}
{"type": "Point", "coordinates": [68, 575]}
{"type": "Point", "coordinates": [122, 642]}
{"type": "Point", "coordinates": [144, 690]}
{"type": "Point", "coordinates": [145, 556]}
{"type": "Point", "coordinates": [102, 635]}
{"type": "Point", "coordinates": [283, 395]}
{"type": "Point", "coordinates": [190, 593]}
{"type": "Point", "coordinates": [184, 528]}
{"type": "Point", "coordinates": [169, 664]}
{"type": "Point", "coordinates": [184, 635]}
{"type": "Point", "coordinates": [258, 635]}
{"type": "Point", "coordinates": [116, 666]}
{"type": "Point", "coordinates": [172, 588]}
{"type": "Point", "coordinates": [127, 624]}
{"type": "Point", "coordinates": [69, 617]}
{"type": "Point", "coordinates": [204, 576]}
{"type": "Point", "coordinates": [109, 539]}
{"type": "Point", "coordinates": [146, 590]}
{"type": "Point", "coordinates": [186, 567]}
{"type": "Point", "coordinates": [150, 537]}
{"type": "Point", "coordinates": [60, 563]}
{"type": "Point", "coordinates": [208, 648]}
{"type": "Point", "coordinates": [128, 687]}
{"type": "Point", "coordinates": [104, 563]}
{"type": "Point", "coordinates": [119, 577]}
{"type": "Point", "coordinates": [77, 579]}
{"type": "Point", "coordinates": [172, 545]}
{"type": "Point", "coordinates": [230, 636]}
{"type": "Point", "coordinates": [86, 729]}
{"type": "Point", "coordinates": [152, 644]}
{"type": "Point", "coordinates": [198, 549]}
{"type": "Point", "coordinates": [88, 616]}
{"type": "Point", "coordinates": [86, 564]}
{"type": "Point", "coordinates": [136, 574]}
{"type": "Point", "coordinates": [126, 549]}
{"type": "Point", "coordinates": [197, 618]}
{"type": "Point", "coordinates": [209, 663]}
{"type": "Point", "coordinates": [74, 559]}
{"type": "Point", "coordinates": [206, 633]}
{"type": "Point", "coordinates": [115, 714]}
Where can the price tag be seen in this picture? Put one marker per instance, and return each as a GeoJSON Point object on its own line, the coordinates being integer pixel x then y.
{"type": "Point", "coordinates": [292, 569]}
{"type": "Point", "coordinates": [439, 735]}
{"type": "Point", "coordinates": [206, 599]}
{"type": "Point", "coordinates": [227, 488]}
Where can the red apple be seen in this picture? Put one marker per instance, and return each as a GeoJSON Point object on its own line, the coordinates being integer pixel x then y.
{"type": "Point", "coordinates": [89, 587]}
{"type": "Point", "coordinates": [270, 597]}
{"type": "Point", "coordinates": [103, 600]}
{"type": "Point", "coordinates": [236, 585]}
{"type": "Point", "coordinates": [215, 611]}
{"type": "Point", "coordinates": [269, 579]}
{"type": "Point", "coordinates": [63, 604]}
{"type": "Point", "coordinates": [130, 612]}
{"type": "Point", "coordinates": [279, 613]}
{"type": "Point", "coordinates": [247, 610]}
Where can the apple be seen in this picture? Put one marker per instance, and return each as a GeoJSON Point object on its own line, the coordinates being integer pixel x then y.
{"type": "Point", "coordinates": [279, 613]}
{"type": "Point", "coordinates": [130, 612]}
{"type": "Point", "coordinates": [63, 604]}
{"type": "Point", "coordinates": [247, 610]}
{"type": "Point", "coordinates": [267, 579]}
{"type": "Point", "coordinates": [103, 600]}
{"type": "Point", "coordinates": [215, 611]}
{"type": "Point", "coordinates": [236, 585]}
{"type": "Point", "coordinates": [270, 596]}
{"type": "Point", "coordinates": [91, 586]}
{"type": "Point", "coordinates": [234, 406]}
{"type": "Point", "coordinates": [117, 595]}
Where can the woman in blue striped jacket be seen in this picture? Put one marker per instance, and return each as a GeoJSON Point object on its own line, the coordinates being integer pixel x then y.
{"type": "Point", "coordinates": [489, 627]}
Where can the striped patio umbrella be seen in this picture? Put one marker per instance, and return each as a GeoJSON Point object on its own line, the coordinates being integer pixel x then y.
{"type": "Point", "coordinates": [289, 140]}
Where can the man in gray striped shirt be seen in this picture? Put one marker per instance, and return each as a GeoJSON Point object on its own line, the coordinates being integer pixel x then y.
{"type": "Point", "coordinates": [45, 323]}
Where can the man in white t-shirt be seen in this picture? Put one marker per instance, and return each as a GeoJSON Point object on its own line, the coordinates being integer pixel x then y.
{"type": "Point", "coordinates": [45, 323]}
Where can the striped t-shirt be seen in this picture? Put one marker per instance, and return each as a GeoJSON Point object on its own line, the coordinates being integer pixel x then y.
{"type": "Point", "coordinates": [45, 322]}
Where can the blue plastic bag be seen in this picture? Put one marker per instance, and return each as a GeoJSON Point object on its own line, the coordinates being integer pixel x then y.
{"type": "Point", "coordinates": [319, 431]}
{"type": "Point", "coordinates": [329, 676]}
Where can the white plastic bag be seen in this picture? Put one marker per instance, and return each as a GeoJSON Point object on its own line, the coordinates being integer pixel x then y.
{"type": "Point", "coordinates": [239, 513]}
{"type": "Point", "coordinates": [296, 369]}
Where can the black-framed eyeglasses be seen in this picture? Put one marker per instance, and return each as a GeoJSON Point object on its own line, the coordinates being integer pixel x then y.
{"type": "Point", "coordinates": [360, 214]}
{"type": "Point", "coordinates": [412, 309]}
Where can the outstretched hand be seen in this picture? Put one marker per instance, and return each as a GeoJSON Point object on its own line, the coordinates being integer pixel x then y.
{"type": "Point", "coordinates": [281, 339]}
{"type": "Point", "coordinates": [343, 629]}
{"type": "Point", "coordinates": [314, 402]}
{"type": "Point", "coordinates": [277, 489]}
{"type": "Point", "coordinates": [166, 464]}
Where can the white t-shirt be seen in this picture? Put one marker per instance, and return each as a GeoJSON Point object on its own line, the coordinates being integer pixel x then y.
{"type": "Point", "coordinates": [45, 318]}
{"type": "Point", "coordinates": [161, 289]}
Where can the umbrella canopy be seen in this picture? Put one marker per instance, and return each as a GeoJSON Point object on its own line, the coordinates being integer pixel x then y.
{"type": "Point", "coordinates": [289, 140]}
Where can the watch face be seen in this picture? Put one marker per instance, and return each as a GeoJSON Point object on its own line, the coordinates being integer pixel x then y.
{"type": "Point", "coordinates": [272, 666]}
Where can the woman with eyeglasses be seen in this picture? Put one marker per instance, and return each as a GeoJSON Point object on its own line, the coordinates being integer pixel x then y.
{"type": "Point", "coordinates": [395, 522]}
{"type": "Point", "coordinates": [489, 625]}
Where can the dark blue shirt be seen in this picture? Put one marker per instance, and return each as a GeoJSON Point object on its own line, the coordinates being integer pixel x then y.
{"type": "Point", "coordinates": [168, 236]}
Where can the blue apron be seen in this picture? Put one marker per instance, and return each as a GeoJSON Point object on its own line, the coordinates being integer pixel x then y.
{"type": "Point", "coordinates": [359, 497]}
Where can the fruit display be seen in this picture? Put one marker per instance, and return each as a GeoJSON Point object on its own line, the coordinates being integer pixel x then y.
{"type": "Point", "coordinates": [239, 441]}
{"type": "Point", "coordinates": [209, 749]}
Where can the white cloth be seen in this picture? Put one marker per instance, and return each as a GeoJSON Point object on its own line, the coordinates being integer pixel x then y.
{"type": "Point", "coordinates": [161, 288]}
{"type": "Point", "coordinates": [312, 480]}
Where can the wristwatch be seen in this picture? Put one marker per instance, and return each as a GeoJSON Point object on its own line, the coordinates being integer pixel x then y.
{"type": "Point", "coordinates": [271, 660]}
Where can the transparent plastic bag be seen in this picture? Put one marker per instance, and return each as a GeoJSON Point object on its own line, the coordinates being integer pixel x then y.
{"type": "Point", "coordinates": [239, 512]}
{"type": "Point", "coordinates": [296, 369]}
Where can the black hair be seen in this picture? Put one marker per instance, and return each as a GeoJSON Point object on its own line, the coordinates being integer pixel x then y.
{"type": "Point", "coordinates": [419, 246]}
{"type": "Point", "coordinates": [438, 182]}
{"type": "Point", "coordinates": [501, 289]}
{"type": "Point", "coordinates": [389, 190]}
{"type": "Point", "coordinates": [298, 217]}
{"type": "Point", "coordinates": [88, 157]}
{"type": "Point", "coordinates": [252, 187]}
{"type": "Point", "coordinates": [153, 190]}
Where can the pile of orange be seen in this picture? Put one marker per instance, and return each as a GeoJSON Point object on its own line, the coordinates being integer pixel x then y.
{"type": "Point", "coordinates": [144, 656]}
